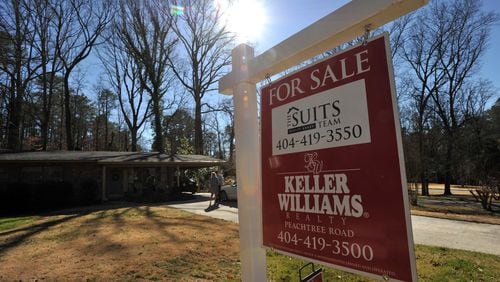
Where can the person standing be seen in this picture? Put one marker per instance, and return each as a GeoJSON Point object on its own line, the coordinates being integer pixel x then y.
{"type": "Point", "coordinates": [220, 177]}
{"type": "Point", "coordinates": [214, 189]}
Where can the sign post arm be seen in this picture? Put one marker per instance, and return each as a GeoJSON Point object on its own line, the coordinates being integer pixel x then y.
{"type": "Point", "coordinates": [253, 256]}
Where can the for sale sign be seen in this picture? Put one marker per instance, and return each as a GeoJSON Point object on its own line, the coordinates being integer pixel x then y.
{"type": "Point", "coordinates": [334, 188]}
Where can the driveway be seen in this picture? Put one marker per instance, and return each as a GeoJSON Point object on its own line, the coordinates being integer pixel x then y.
{"type": "Point", "coordinates": [484, 238]}
{"type": "Point", "coordinates": [199, 205]}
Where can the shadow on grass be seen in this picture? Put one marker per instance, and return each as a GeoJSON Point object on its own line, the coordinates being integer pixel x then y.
{"type": "Point", "coordinates": [13, 238]}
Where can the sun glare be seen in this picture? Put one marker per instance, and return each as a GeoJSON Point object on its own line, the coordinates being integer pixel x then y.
{"type": "Point", "coordinates": [246, 18]}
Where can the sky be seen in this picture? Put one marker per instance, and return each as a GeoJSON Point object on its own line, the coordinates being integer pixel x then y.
{"type": "Point", "coordinates": [285, 18]}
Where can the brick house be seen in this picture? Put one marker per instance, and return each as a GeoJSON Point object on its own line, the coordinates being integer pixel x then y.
{"type": "Point", "coordinates": [96, 175]}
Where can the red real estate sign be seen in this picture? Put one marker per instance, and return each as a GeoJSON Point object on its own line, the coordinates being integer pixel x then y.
{"type": "Point", "coordinates": [333, 183]}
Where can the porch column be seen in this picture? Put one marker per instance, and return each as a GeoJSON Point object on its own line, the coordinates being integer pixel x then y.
{"type": "Point", "coordinates": [178, 177]}
{"type": "Point", "coordinates": [164, 179]}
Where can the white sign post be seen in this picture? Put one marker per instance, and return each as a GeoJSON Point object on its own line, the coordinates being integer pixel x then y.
{"type": "Point", "coordinates": [340, 26]}
{"type": "Point", "coordinates": [253, 256]}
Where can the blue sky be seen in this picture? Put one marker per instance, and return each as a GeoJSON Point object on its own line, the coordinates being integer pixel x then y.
{"type": "Point", "coordinates": [491, 60]}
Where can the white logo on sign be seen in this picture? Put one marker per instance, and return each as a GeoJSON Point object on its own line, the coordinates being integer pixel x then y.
{"type": "Point", "coordinates": [312, 164]}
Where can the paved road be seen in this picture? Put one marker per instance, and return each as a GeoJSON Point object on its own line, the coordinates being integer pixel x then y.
{"type": "Point", "coordinates": [484, 238]}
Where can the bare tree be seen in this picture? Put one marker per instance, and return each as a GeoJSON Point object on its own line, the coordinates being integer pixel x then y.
{"type": "Point", "coordinates": [145, 30]}
{"type": "Point", "coordinates": [80, 23]}
{"type": "Point", "coordinates": [106, 102]}
{"type": "Point", "coordinates": [228, 109]}
{"type": "Point", "coordinates": [205, 43]}
{"type": "Point", "coordinates": [397, 31]}
{"type": "Point", "coordinates": [215, 126]}
{"type": "Point", "coordinates": [48, 30]}
{"type": "Point", "coordinates": [83, 118]}
{"type": "Point", "coordinates": [442, 49]}
{"type": "Point", "coordinates": [462, 36]}
{"type": "Point", "coordinates": [420, 51]}
{"type": "Point", "coordinates": [473, 138]}
{"type": "Point", "coordinates": [19, 64]}
{"type": "Point", "coordinates": [123, 75]}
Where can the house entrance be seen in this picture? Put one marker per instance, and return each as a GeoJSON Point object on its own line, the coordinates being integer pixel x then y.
{"type": "Point", "coordinates": [114, 183]}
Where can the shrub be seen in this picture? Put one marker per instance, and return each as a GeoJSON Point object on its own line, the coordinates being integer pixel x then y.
{"type": "Point", "coordinates": [488, 191]}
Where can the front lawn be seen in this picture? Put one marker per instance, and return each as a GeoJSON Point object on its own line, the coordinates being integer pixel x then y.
{"type": "Point", "coordinates": [160, 243]}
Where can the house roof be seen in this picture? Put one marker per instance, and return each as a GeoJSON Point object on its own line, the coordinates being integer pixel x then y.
{"type": "Point", "coordinates": [109, 158]}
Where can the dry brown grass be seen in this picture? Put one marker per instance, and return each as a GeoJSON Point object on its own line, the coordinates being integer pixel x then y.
{"type": "Point", "coordinates": [489, 219]}
{"type": "Point", "coordinates": [133, 243]}
{"type": "Point", "coordinates": [460, 206]}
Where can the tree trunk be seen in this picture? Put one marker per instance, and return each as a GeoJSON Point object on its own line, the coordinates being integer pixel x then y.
{"type": "Point", "coordinates": [61, 121]}
{"type": "Point", "coordinates": [219, 144]}
{"type": "Point", "coordinates": [15, 106]}
{"type": "Point", "coordinates": [97, 134]}
{"type": "Point", "coordinates": [159, 143]}
{"type": "Point", "coordinates": [44, 127]}
{"type": "Point", "coordinates": [48, 111]}
{"type": "Point", "coordinates": [133, 133]}
{"type": "Point", "coordinates": [198, 131]}
{"type": "Point", "coordinates": [111, 141]}
{"type": "Point", "coordinates": [67, 112]}
{"type": "Point", "coordinates": [422, 165]}
{"type": "Point", "coordinates": [106, 145]}
{"type": "Point", "coordinates": [448, 165]}
{"type": "Point", "coordinates": [45, 107]}
{"type": "Point", "coordinates": [231, 144]}
{"type": "Point", "coordinates": [14, 136]}
{"type": "Point", "coordinates": [425, 184]}
{"type": "Point", "coordinates": [17, 90]}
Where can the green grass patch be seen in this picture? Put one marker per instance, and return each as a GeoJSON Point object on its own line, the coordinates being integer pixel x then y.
{"type": "Point", "coordinates": [442, 264]}
{"type": "Point", "coordinates": [8, 223]}
{"type": "Point", "coordinates": [433, 264]}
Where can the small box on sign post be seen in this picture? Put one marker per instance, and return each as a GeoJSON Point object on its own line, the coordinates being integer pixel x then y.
{"type": "Point", "coordinates": [315, 275]}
